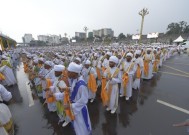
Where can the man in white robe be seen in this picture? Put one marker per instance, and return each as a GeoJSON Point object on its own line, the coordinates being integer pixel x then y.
{"type": "Point", "coordinates": [138, 64]}
{"type": "Point", "coordinates": [148, 59]}
{"type": "Point", "coordinates": [129, 71]}
{"type": "Point", "coordinates": [6, 70]}
{"type": "Point", "coordinates": [6, 123]}
{"type": "Point", "coordinates": [96, 63]}
{"type": "Point", "coordinates": [58, 86]}
{"type": "Point", "coordinates": [86, 71]}
{"type": "Point", "coordinates": [79, 99]}
{"type": "Point", "coordinates": [113, 78]}
{"type": "Point", "coordinates": [105, 63]}
{"type": "Point", "coordinates": [48, 74]}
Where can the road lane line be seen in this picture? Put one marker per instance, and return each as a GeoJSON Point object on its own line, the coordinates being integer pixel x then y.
{"type": "Point", "coordinates": [177, 69]}
{"type": "Point", "coordinates": [29, 93]}
{"type": "Point", "coordinates": [173, 106]}
{"type": "Point", "coordinates": [177, 63]}
{"type": "Point", "coordinates": [174, 74]}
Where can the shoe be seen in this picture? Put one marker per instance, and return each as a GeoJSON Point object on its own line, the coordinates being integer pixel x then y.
{"type": "Point", "coordinates": [92, 100]}
{"type": "Point", "coordinates": [107, 109]}
{"type": "Point", "coordinates": [120, 95]}
{"type": "Point", "coordinates": [60, 121]}
{"type": "Point", "coordinates": [65, 124]}
{"type": "Point", "coordinates": [127, 98]}
{"type": "Point", "coordinates": [113, 111]}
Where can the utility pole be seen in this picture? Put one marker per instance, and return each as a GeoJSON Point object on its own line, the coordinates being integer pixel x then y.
{"type": "Point", "coordinates": [86, 29]}
{"type": "Point", "coordinates": [142, 13]}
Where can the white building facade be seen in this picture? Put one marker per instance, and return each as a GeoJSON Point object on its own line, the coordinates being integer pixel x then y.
{"type": "Point", "coordinates": [103, 32]}
{"type": "Point", "coordinates": [50, 39]}
{"type": "Point", "coordinates": [27, 38]}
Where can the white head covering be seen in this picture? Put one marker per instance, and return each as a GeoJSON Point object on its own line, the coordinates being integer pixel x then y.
{"type": "Point", "coordinates": [114, 59]}
{"type": "Point", "coordinates": [87, 62]}
{"type": "Point", "coordinates": [96, 55]}
{"type": "Point", "coordinates": [129, 54]}
{"type": "Point", "coordinates": [148, 49]}
{"type": "Point", "coordinates": [59, 68]}
{"type": "Point", "coordinates": [35, 60]}
{"type": "Point", "coordinates": [73, 67]}
{"type": "Point", "coordinates": [109, 53]}
{"type": "Point", "coordinates": [138, 52]}
{"type": "Point", "coordinates": [4, 57]}
{"type": "Point", "coordinates": [50, 63]}
{"type": "Point", "coordinates": [41, 59]}
{"type": "Point", "coordinates": [78, 59]}
{"type": "Point", "coordinates": [29, 56]}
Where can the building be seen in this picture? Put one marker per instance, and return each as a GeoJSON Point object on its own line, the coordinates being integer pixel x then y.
{"type": "Point", "coordinates": [90, 35]}
{"type": "Point", "coordinates": [27, 38]}
{"type": "Point", "coordinates": [108, 32]}
{"type": "Point", "coordinates": [55, 39]}
{"type": "Point", "coordinates": [80, 35]}
{"type": "Point", "coordinates": [103, 32]}
{"type": "Point", "coordinates": [50, 39]}
{"type": "Point", "coordinates": [96, 33]}
{"type": "Point", "coordinates": [43, 38]}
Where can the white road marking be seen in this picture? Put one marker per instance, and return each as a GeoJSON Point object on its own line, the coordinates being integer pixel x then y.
{"type": "Point", "coordinates": [29, 93]}
{"type": "Point", "coordinates": [174, 74]}
{"type": "Point", "coordinates": [176, 69]}
{"type": "Point", "coordinates": [173, 106]}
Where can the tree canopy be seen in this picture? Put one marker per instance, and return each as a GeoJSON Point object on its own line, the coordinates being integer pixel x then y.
{"type": "Point", "coordinates": [178, 28]}
{"type": "Point", "coordinates": [121, 36]}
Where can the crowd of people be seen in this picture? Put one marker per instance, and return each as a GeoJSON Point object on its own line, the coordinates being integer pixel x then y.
{"type": "Point", "coordinates": [68, 77]}
{"type": "Point", "coordinates": [9, 61]}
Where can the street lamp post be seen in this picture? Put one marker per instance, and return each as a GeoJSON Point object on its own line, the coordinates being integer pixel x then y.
{"type": "Point", "coordinates": [85, 29]}
{"type": "Point", "coordinates": [142, 13]}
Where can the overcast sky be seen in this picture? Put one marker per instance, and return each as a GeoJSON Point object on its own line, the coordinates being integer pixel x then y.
{"type": "Point", "coordinates": [68, 16]}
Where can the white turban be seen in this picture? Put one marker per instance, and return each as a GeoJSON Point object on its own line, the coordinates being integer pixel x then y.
{"type": "Point", "coordinates": [129, 54]}
{"type": "Point", "coordinates": [87, 62]}
{"type": "Point", "coordinates": [29, 56]}
{"type": "Point", "coordinates": [41, 59]}
{"type": "Point", "coordinates": [50, 63]}
{"type": "Point", "coordinates": [35, 60]}
{"type": "Point", "coordinates": [148, 49]}
{"type": "Point", "coordinates": [114, 59]}
{"type": "Point", "coordinates": [78, 59]}
{"type": "Point", "coordinates": [138, 52]}
{"type": "Point", "coordinates": [109, 53]}
{"type": "Point", "coordinates": [4, 57]}
{"type": "Point", "coordinates": [96, 55]}
{"type": "Point", "coordinates": [73, 67]}
{"type": "Point", "coordinates": [59, 68]}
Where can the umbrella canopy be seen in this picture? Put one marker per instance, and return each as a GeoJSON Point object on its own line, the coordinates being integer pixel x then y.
{"type": "Point", "coordinates": [179, 39]}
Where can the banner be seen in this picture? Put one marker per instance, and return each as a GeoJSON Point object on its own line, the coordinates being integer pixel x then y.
{"type": "Point", "coordinates": [153, 35]}
{"type": "Point", "coordinates": [137, 36]}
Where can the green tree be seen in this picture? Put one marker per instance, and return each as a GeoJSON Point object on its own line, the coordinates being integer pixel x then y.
{"type": "Point", "coordinates": [178, 28]}
{"type": "Point", "coordinates": [121, 36]}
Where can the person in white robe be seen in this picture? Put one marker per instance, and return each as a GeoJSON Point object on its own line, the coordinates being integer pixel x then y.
{"type": "Point", "coordinates": [148, 61]}
{"type": "Point", "coordinates": [113, 78]}
{"type": "Point", "coordinates": [6, 122]}
{"type": "Point", "coordinates": [58, 86]}
{"type": "Point", "coordinates": [105, 63]}
{"type": "Point", "coordinates": [86, 71]}
{"type": "Point", "coordinates": [128, 73]}
{"type": "Point", "coordinates": [139, 65]}
{"type": "Point", "coordinates": [48, 74]}
{"type": "Point", "coordinates": [37, 80]}
{"type": "Point", "coordinates": [96, 63]}
{"type": "Point", "coordinates": [6, 70]}
{"type": "Point", "coordinates": [79, 99]}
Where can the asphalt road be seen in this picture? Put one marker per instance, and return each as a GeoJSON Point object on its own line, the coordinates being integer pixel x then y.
{"type": "Point", "coordinates": [143, 115]}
